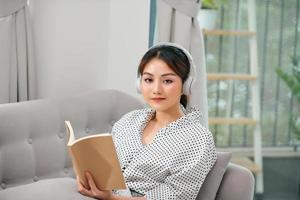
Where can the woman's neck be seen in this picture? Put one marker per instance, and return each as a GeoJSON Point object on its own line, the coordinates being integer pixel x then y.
{"type": "Point", "coordinates": [163, 118]}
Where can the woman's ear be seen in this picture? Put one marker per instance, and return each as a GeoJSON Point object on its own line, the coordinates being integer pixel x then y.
{"type": "Point", "coordinates": [138, 85]}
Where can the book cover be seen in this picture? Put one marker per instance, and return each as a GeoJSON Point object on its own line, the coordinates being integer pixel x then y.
{"type": "Point", "coordinates": [96, 154]}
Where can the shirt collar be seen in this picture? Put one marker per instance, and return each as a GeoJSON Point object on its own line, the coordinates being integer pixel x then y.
{"type": "Point", "coordinates": [191, 114]}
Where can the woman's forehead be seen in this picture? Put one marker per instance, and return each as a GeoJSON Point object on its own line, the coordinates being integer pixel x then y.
{"type": "Point", "coordinates": [157, 66]}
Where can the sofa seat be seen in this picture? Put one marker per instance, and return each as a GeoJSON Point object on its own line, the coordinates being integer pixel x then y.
{"type": "Point", "coordinates": [48, 189]}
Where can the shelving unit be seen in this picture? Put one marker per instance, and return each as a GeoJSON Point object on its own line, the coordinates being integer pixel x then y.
{"type": "Point", "coordinates": [256, 165]}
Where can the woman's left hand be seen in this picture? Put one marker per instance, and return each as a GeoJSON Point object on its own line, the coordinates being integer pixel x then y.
{"type": "Point", "coordinates": [93, 191]}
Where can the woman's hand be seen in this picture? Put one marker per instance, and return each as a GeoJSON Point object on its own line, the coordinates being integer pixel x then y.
{"type": "Point", "coordinates": [92, 190]}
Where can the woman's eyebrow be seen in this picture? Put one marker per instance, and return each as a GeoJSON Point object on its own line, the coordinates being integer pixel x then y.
{"type": "Point", "coordinates": [147, 73]}
{"type": "Point", "coordinates": [166, 74]}
{"type": "Point", "coordinates": [169, 74]}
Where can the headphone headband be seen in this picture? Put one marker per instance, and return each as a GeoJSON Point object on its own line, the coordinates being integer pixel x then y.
{"type": "Point", "coordinates": [188, 55]}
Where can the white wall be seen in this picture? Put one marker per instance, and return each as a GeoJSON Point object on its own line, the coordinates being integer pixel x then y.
{"type": "Point", "coordinates": [129, 30]}
{"type": "Point", "coordinates": [88, 44]}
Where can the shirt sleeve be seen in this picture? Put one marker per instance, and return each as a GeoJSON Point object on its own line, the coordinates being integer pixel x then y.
{"type": "Point", "coordinates": [186, 180]}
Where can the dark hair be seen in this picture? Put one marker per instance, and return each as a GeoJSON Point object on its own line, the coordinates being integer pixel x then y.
{"type": "Point", "coordinates": [174, 57]}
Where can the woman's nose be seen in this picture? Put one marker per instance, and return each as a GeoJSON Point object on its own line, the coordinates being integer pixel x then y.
{"type": "Point", "coordinates": [157, 87]}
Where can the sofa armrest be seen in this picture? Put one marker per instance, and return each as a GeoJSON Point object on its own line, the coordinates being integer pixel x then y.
{"type": "Point", "coordinates": [237, 184]}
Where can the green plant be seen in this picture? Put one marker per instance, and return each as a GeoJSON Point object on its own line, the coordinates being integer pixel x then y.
{"type": "Point", "coordinates": [212, 4]}
{"type": "Point", "coordinates": [293, 82]}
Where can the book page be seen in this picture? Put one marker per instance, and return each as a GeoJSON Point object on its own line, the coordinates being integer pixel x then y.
{"type": "Point", "coordinates": [70, 132]}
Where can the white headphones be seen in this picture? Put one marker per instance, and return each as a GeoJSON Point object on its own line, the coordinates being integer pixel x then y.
{"type": "Point", "coordinates": [188, 83]}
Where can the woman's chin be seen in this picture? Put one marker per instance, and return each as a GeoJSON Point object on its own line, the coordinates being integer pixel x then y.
{"type": "Point", "coordinates": [158, 106]}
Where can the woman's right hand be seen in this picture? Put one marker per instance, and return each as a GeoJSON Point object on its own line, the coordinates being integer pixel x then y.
{"type": "Point", "coordinates": [93, 191]}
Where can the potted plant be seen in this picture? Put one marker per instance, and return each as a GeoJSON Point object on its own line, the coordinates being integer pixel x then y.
{"type": "Point", "coordinates": [292, 80]}
{"type": "Point", "coordinates": [208, 13]}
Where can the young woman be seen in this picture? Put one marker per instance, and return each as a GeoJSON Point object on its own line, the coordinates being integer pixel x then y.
{"type": "Point", "coordinates": [164, 151]}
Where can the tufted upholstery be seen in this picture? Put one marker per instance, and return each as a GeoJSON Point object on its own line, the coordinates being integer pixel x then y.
{"type": "Point", "coordinates": [33, 138]}
{"type": "Point", "coordinates": [34, 162]}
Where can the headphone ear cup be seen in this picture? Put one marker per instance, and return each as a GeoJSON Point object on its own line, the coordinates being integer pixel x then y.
{"type": "Point", "coordinates": [138, 85]}
{"type": "Point", "coordinates": [187, 86]}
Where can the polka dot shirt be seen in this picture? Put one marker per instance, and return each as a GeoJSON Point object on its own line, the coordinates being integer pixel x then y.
{"type": "Point", "coordinates": [174, 165]}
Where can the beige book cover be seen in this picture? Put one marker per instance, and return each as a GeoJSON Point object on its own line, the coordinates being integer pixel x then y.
{"type": "Point", "coordinates": [96, 154]}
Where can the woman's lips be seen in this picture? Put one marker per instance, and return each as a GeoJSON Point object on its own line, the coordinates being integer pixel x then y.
{"type": "Point", "coordinates": [159, 99]}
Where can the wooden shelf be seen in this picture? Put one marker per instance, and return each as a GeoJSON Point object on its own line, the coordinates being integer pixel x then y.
{"type": "Point", "coordinates": [247, 163]}
{"type": "Point", "coordinates": [217, 32]}
{"type": "Point", "coordinates": [231, 121]}
{"type": "Point", "coordinates": [267, 152]}
{"type": "Point", "coordinates": [224, 76]}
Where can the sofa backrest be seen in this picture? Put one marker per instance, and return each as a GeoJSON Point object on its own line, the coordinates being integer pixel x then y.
{"type": "Point", "coordinates": [33, 136]}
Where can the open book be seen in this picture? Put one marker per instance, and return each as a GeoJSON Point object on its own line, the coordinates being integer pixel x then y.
{"type": "Point", "coordinates": [96, 154]}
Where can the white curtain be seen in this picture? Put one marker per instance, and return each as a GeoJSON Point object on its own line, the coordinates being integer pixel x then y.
{"type": "Point", "coordinates": [177, 22]}
{"type": "Point", "coordinates": [17, 73]}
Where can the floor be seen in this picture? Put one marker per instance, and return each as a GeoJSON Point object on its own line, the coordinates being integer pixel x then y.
{"type": "Point", "coordinates": [278, 198]}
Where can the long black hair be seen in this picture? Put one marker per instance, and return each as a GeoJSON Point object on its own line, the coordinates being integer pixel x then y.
{"type": "Point", "coordinates": [174, 57]}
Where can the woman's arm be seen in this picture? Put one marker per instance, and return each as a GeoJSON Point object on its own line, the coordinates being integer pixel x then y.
{"type": "Point", "coordinates": [194, 159]}
{"type": "Point", "coordinates": [94, 192]}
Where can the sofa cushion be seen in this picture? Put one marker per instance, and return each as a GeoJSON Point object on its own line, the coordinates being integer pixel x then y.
{"type": "Point", "coordinates": [213, 180]}
{"type": "Point", "coordinates": [48, 189]}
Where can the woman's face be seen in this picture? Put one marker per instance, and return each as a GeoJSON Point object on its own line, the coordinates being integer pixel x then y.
{"type": "Point", "coordinates": [161, 87]}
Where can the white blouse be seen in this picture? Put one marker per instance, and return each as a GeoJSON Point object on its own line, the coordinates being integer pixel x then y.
{"type": "Point", "coordinates": [174, 165]}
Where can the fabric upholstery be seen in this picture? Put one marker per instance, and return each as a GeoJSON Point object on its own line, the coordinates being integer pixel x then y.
{"type": "Point", "coordinates": [50, 189]}
{"type": "Point", "coordinates": [17, 71]}
{"type": "Point", "coordinates": [213, 180]}
{"type": "Point", "coordinates": [232, 189]}
{"type": "Point", "coordinates": [33, 137]}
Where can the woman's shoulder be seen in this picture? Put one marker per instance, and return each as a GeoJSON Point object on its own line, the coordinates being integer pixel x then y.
{"type": "Point", "coordinates": [196, 128]}
{"type": "Point", "coordinates": [134, 115]}
{"type": "Point", "coordinates": [193, 126]}
{"type": "Point", "coordinates": [196, 136]}
{"type": "Point", "coordinates": [193, 119]}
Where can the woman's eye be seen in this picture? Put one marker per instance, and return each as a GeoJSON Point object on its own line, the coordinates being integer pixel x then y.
{"type": "Point", "coordinates": [148, 80]}
{"type": "Point", "coordinates": [168, 81]}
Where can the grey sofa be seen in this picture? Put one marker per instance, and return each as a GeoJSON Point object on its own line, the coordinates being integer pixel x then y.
{"type": "Point", "coordinates": [34, 162]}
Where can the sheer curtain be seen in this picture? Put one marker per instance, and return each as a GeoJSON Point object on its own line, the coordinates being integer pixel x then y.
{"type": "Point", "coordinates": [177, 22]}
{"type": "Point", "coordinates": [17, 72]}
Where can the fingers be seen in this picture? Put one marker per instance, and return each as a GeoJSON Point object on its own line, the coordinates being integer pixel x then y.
{"type": "Point", "coordinates": [93, 188]}
{"type": "Point", "coordinates": [91, 181]}
{"type": "Point", "coordinates": [93, 191]}
{"type": "Point", "coordinates": [81, 189]}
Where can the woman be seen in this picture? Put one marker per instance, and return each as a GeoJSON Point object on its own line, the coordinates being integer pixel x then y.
{"type": "Point", "coordinates": [164, 151]}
